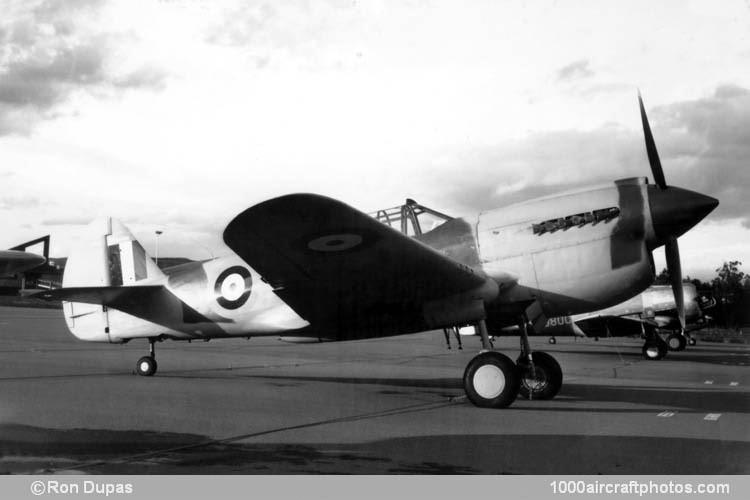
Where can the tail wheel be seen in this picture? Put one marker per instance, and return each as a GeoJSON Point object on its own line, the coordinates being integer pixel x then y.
{"type": "Point", "coordinates": [146, 366]}
{"type": "Point", "coordinates": [676, 342]}
{"type": "Point", "coordinates": [691, 341]}
{"type": "Point", "coordinates": [544, 381]}
{"type": "Point", "coordinates": [491, 380]}
{"type": "Point", "coordinates": [654, 349]}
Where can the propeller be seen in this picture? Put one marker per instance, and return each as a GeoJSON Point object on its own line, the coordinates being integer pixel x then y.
{"type": "Point", "coordinates": [671, 248]}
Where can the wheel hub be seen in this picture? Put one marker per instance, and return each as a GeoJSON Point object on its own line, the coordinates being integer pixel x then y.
{"type": "Point", "coordinates": [535, 380]}
{"type": "Point", "coordinates": [489, 381]}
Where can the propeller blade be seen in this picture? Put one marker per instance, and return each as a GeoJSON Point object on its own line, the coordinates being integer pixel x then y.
{"type": "Point", "coordinates": [653, 155]}
{"type": "Point", "coordinates": [672, 252]}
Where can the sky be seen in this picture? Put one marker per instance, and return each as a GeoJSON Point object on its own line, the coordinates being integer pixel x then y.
{"type": "Point", "coordinates": [176, 115]}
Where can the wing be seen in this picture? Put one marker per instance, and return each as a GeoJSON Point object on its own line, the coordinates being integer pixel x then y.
{"type": "Point", "coordinates": [350, 275]}
{"type": "Point", "coordinates": [612, 326]}
{"type": "Point", "coordinates": [15, 261]}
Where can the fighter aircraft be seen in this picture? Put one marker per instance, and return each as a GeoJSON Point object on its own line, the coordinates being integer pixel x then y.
{"type": "Point", "coordinates": [17, 259]}
{"type": "Point", "coordinates": [645, 314]}
{"type": "Point", "coordinates": [308, 266]}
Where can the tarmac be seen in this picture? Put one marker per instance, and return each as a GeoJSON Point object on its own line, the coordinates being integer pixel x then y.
{"type": "Point", "coordinates": [383, 406]}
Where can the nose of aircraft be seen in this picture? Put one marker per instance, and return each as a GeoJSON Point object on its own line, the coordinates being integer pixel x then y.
{"type": "Point", "coordinates": [675, 210]}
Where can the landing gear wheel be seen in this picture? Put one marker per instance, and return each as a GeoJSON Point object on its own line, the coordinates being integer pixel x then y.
{"type": "Point", "coordinates": [552, 340]}
{"type": "Point", "coordinates": [676, 342]}
{"type": "Point", "coordinates": [654, 349]}
{"type": "Point", "coordinates": [691, 341]}
{"type": "Point", "coordinates": [146, 366]}
{"type": "Point", "coordinates": [491, 380]}
{"type": "Point", "coordinates": [545, 380]}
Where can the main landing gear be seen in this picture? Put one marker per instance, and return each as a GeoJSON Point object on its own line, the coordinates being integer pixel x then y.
{"type": "Point", "coordinates": [654, 348]}
{"type": "Point", "coordinates": [146, 366]}
{"type": "Point", "coordinates": [448, 338]}
{"type": "Point", "coordinates": [492, 380]}
{"type": "Point", "coordinates": [677, 341]}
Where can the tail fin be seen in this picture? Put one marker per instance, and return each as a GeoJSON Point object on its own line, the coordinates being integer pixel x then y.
{"type": "Point", "coordinates": [44, 240]}
{"type": "Point", "coordinates": [107, 256]}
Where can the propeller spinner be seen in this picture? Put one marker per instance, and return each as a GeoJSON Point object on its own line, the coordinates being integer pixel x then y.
{"type": "Point", "coordinates": [673, 211]}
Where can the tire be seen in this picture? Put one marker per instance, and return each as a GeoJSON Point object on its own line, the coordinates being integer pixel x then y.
{"type": "Point", "coordinates": [146, 366]}
{"type": "Point", "coordinates": [552, 340]}
{"type": "Point", "coordinates": [676, 342]}
{"type": "Point", "coordinates": [491, 380]}
{"type": "Point", "coordinates": [546, 380]}
{"type": "Point", "coordinates": [654, 349]}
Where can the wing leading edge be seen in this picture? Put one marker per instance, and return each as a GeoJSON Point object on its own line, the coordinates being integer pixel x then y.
{"type": "Point", "coordinates": [350, 275]}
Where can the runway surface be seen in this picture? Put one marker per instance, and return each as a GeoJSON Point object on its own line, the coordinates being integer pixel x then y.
{"type": "Point", "coordinates": [385, 406]}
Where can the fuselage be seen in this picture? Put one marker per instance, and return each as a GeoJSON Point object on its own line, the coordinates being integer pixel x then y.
{"type": "Point", "coordinates": [656, 305]}
{"type": "Point", "coordinates": [574, 252]}
{"type": "Point", "coordinates": [571, 253]}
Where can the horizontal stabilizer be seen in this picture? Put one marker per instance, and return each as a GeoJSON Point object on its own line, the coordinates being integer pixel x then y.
{"type": "Point", "coordinates": [104, 295]}
{"type": "Point", "coordinates": [154, 303]}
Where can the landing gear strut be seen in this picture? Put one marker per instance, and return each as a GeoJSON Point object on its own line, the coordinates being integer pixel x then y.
{"type": "Point", "coordinates": [448, 338]}
{"type": "Point", "coordinates": [146, 366]}
{"type": "Point", "coordinates": [492, 380]}
{"type": "Point", "coordinates": [541, 375]}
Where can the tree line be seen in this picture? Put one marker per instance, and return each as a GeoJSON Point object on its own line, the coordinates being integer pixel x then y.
{"type": "Point", "coordinates": [731, 290]}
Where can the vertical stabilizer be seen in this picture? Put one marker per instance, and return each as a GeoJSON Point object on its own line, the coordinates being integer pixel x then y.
{"type": "Point", "coordinates": [108, 255]}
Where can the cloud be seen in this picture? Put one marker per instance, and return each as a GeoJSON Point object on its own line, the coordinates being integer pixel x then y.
{"type": "Point", "coordinates": [704, 146]}
{"type": "Point", "coordinates": [66, 221]}
{"type": "Point", "coordinates": [42, 79]}
{"type": "Point", "coordinates": [539, 164]}
{"type": "Point", "coordinates": [242, 25]}
{"type": "Point", "coordinates": [577, 70]}
{"type": "Point", "coordinates": [12, 202]}
{"type": "Point", "coordinates": [51, 50]}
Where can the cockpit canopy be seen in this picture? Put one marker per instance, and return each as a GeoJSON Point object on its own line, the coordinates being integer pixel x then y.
{"type": "Point", "coordinates": [411, 218]}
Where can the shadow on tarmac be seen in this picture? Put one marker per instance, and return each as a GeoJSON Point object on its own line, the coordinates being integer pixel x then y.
{"type": "Point", "coordinates": [40, 450]}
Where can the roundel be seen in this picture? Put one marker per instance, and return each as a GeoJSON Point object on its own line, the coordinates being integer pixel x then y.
{"type": "Point", "coordinates": [335, 242]}
{"type": "Point", "coordinates": [233, 287]}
